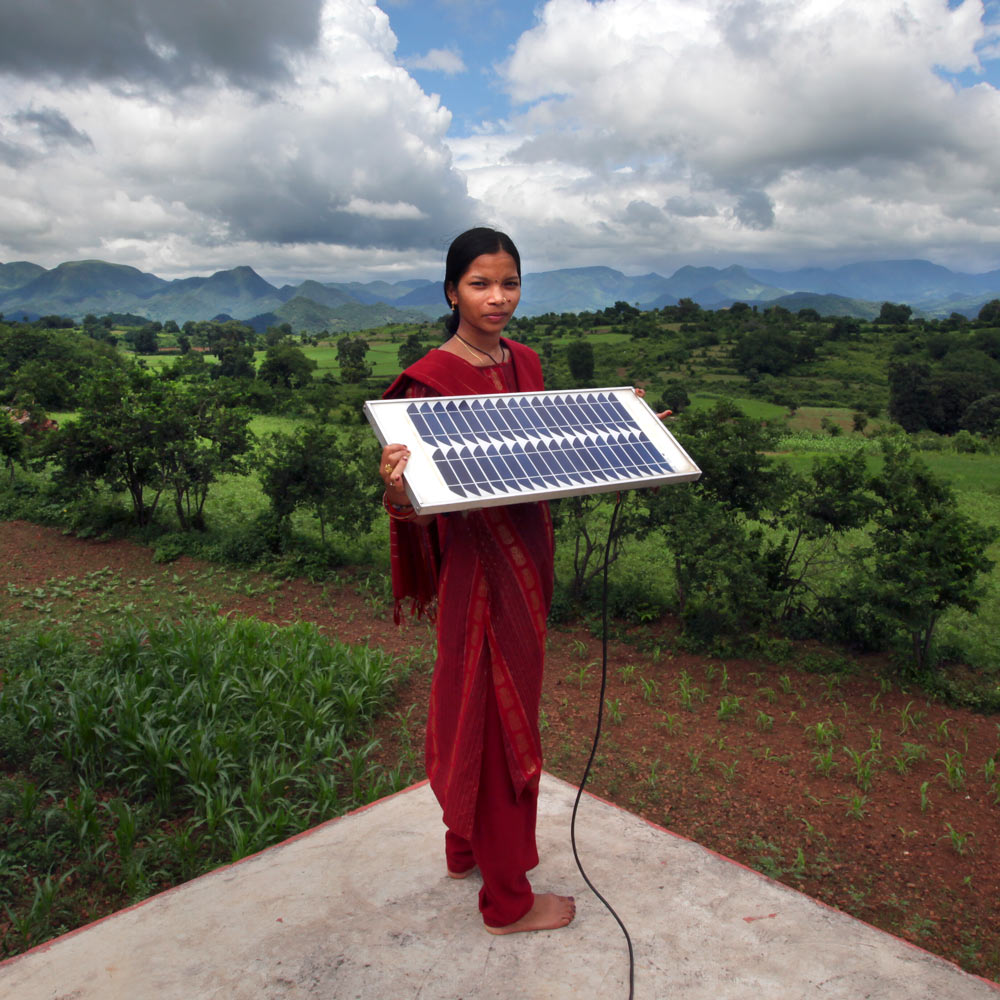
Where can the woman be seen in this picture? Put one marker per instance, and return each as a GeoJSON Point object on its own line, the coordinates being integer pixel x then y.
{"type": "Point", "coordinates": [490, 571]}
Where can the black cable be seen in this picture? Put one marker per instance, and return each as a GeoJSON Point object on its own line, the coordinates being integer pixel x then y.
{"type": "Point", "coordinates": [593, 749]}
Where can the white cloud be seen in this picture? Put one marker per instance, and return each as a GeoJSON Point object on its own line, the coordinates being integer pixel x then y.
{"type": "Point", "coordinates": [644, 134]}
{"type": "Point", "coordinates": [348, 153]}
{"type": "Point", "coordinates": [446, 61]}
{"type": "Point", "coordinates": [384, 209]}
{"type": "Point", "coordinates": [744, 119]}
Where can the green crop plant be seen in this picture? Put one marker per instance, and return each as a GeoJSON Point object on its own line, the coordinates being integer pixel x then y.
{"type": "Point", "coordinates": [941, 734]}
{"type": "Point", "coordinates": [685, 689]}
{"type": "Point", "coordinates": [823, 761]}
{"type": "Point", "coordinates": [954, 770]}
{"type": "Point", "coordinates": [729, 707]}
{"type": "Point", "coordinates": [909, 719]}
{"type": "Point", "coordinates": [650, 688]}
{"type": "Point", "coordinates": [959, 841]}
{"type": "Point", "coordinates": [671, 723]}
{"type": "Point", "coordinates": [863, 763]}
{"type": "Point", "coordinates": [823, 733]}
{"type": "Point", "coordinates": [925, 799]}
{"type": "Point", "coordinates": [856, 806]}
{"type": "Point", "coordinates": [764, 722]}
{"type": "Point", "coordinates": [727, 770]}
{"type": "Point", "coordinates": [831, 685]}
{"type": "Point", "coordinates": [907, 757]}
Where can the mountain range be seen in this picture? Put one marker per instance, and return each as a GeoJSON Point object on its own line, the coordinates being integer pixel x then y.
{"type": "Point", "coordinates": [76, 288]}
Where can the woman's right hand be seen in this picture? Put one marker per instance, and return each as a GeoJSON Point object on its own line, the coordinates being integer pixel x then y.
{"type": "Point", "coordinates": [391, 468]}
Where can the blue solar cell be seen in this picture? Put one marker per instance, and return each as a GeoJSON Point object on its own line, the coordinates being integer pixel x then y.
{"type": "Point", "coordinates": [488, 449]}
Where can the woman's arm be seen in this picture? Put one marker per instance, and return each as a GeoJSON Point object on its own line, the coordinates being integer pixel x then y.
{"type": "Point", "coordinates": [397, 501]}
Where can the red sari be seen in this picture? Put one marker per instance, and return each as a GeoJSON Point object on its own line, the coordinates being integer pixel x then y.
{"type": "Point", "coordinates": [491, 571]}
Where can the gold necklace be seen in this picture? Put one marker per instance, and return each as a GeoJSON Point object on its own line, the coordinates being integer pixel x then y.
{"type": "Point", "coordinates": [472, 347]}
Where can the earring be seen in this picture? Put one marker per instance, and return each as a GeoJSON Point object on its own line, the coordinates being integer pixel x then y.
{"type": "Point", "coordinates": [454, 306]}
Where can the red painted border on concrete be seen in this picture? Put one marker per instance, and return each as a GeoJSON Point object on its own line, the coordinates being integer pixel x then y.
{"type": "Point", "coordinates": [788, 888]}
{"type": "Point", "coordinates": [45, 945]}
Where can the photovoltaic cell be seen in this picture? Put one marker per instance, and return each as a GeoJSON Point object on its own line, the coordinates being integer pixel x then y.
{"type": "Point", "coordinates": [472, 451]}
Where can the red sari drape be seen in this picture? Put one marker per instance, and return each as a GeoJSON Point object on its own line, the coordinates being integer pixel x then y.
{"type": "Point", "coordinates": [491, 570]}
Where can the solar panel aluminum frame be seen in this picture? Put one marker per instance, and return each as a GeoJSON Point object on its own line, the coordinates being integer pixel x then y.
{"type": "Point", "coordinates": [430, 493]}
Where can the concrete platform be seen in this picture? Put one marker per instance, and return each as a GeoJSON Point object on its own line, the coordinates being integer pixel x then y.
{"type": "Point", "coordinates": [361, 908]}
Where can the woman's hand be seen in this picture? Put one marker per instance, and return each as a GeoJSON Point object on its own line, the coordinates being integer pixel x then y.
{"type": "Point", "coordinates": [640, 392]}
{"type": "Point", "coordinates": [391, 468]}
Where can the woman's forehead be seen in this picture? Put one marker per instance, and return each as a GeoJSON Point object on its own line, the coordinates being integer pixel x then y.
{"type": "Point", "coordinates": [493, 265]}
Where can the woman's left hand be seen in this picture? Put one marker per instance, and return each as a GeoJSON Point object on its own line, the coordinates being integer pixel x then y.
{"type": "Point", "coordinates": [641, 393]}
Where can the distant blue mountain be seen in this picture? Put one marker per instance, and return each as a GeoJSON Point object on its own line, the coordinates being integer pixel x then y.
{"type": "Point", "coordinates": [76, 288]}
{"type": "Point", "coordinates": [914, 282]}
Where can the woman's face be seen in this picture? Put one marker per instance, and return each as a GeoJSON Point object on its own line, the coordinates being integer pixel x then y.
{"type": "Point", "coordinates": [487, 294]}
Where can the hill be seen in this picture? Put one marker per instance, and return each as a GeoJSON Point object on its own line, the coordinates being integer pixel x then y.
{"type": "Point", "coordinates": [76, 288]}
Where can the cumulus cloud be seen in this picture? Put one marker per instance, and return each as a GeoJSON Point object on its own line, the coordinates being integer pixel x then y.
{"type": "Point", "coordinates": [347, 154]}
{"type": "Point", "coordinates": [446, 61]}
{"type": "Point", "coordinates": [752, 120]}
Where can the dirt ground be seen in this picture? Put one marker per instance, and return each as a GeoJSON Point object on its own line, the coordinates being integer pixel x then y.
{"type": "Point", "coordinates": [852, 789]}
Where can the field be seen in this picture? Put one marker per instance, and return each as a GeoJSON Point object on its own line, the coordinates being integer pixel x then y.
{"type": "Point", "coordinates": [160, 715]}
{"type": "Point", "coordinates": [816, 769]}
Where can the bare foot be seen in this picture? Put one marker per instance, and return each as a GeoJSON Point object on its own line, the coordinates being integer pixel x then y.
{"type": "Point", "coordinates": [465, 874]}
{"type": "Point", "coordinates": [547, 913]}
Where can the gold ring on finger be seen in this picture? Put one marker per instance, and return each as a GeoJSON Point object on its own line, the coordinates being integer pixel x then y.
{"type": "Point", "coordinates": [388, 467]}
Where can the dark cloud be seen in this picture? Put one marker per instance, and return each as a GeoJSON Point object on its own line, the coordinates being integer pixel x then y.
{"type": "Point", "coordinates": [13, 155]}
{"type": "Point", "coordinates": [53, 127]}
{"type": "Point", "coordinates": [689, 207]}
{"type": "Point", "coordinates": [172, 42]}
{"type": "Point", "coordinates": [640, 213]}
{"type": "Point", "coordinates": [755, 210]}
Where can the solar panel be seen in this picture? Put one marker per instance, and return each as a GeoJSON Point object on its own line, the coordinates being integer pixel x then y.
{"type": "Point", "coordinates": [481, 451]}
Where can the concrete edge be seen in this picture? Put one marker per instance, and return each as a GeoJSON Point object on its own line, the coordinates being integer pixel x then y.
{"type": "Point", "coordinates": [45, 945]}
{"type": "Point", "coordinates": [787, 888]}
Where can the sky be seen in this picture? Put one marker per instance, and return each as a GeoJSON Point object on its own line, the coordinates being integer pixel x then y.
{"type": "Point", "coordinates": [352, 140]}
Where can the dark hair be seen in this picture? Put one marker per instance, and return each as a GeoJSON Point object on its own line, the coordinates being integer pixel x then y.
{"type": "Point", "coordinates": [464, 250]}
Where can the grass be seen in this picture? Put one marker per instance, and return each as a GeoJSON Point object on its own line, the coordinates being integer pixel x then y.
{"type": "Point", "coordinates": [169, 750]}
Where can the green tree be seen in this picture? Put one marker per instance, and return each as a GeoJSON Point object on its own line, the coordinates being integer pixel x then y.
{"type": "Point", "coordinates": [143, 340]}
{"type": "Point", "coordinates": [117, 438]}
{"type": "Point", "coordinates": [580, 359]}
{"type": "Point", "coordinates": [982, 416]}
{"type": "Point", "coordinates": [990, 313]}
{"type": "Point", "coordinates": [11, 442]}
{"type": "Point", "coordinates": [926, 556]}
{"type": "Point", "coordinates": [410, 351]}
{"type": "Point", "coordinates": [235, 360]}
{"type": "Point", "coordinates": [275, 334]}
{"type": "Point", "coordinates": [894, 314]}
{"type": "Point", "coordinates": [351, 353]}
{"type": "Point", "coordinates": [770, 351]}
{"type": "Point", "coordinates": [324, 470]}
{"type": "Point", "coordinates": [147, 435]}
{"type": "Point", "coordinates": [910, 395]}
{"type": "Point", "coordinates": [286, 365]}
{"type": "Point", "coordinates": [212, 439]}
